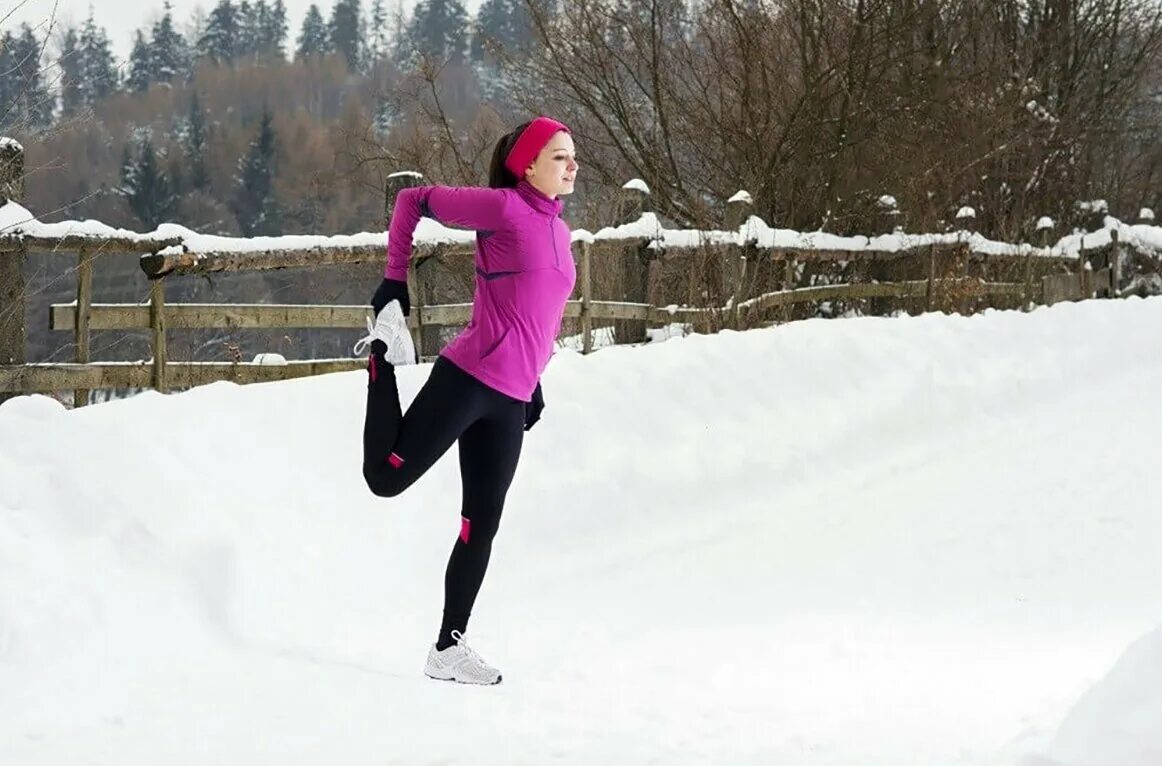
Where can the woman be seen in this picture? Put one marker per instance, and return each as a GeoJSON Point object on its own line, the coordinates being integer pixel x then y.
{"type": "Point", "coordinates": [484, 389]}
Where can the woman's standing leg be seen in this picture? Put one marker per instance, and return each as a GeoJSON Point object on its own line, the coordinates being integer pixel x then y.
{"type": "Point", "coordinates": [489, 453]}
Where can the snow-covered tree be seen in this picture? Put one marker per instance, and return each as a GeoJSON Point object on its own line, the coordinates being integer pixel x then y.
{"type": "Point", "coordinates": [377, 37]}
{"type": "Point", "coordinates": [140, 65]}
{"type": "Point", "coordinates": [145, 185]}
{"type": "Point", "coordinates": [71, 66]}
{"type": "Point", "coordinates": [313, 40]}
{"type": "Point", "coordinates": [222, 35]}
{"type": "Point", "coordinates": [345, 31]}
{"type": "Point", "coordinates": [194, 144]}
{"type": "Point", "coordinates": [254, 204]}
{"type": "Point", "coordinates": [169, 49]}
{"type": "Point", "coordinates": [24, 97]}
{"type": "Point", "coordinates": [438, 28]}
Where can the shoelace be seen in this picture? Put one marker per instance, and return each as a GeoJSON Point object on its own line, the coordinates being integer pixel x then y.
{"type": "Point", "coordinates": [469, 652]}
{"type": "Point", "coordinates": [362, 344]}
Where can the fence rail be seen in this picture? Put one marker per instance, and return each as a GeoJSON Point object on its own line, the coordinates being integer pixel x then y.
{"type": "Point", "coordinates": [161, 318]}
{"type": "Point", "coordinates": [1069, 277]}
{"type": "Point", "coordinates": [31, 378]}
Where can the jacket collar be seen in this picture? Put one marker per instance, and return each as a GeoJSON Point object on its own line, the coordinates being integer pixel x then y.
{"type": "Point", "coordinates": [537, 200]}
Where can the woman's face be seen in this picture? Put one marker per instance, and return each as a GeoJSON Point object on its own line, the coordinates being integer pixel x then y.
{"type": "Point", "coordinates": [554, 170]}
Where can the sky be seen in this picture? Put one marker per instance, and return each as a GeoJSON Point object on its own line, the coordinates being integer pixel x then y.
{"type": "Point", "coordinates": [910, 540]}
{"type": "Point", "coordinates": [121, 18]}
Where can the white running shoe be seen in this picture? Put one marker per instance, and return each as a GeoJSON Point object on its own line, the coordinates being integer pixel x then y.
{"type": "Point", "coordinates": [460, 663]}
{"type": "Point", "coordinates": [390, 327]}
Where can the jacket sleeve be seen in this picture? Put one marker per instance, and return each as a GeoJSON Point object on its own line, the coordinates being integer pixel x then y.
{"type": "Point", "coordinates": [467, 207]}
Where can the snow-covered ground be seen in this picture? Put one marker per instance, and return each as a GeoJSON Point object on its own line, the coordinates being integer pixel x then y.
{"type": "Point", "coordinates": [924, 541]}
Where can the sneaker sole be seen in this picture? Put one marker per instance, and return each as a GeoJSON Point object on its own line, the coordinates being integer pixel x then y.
{"type": "Point", "coordinates": [466, 683]}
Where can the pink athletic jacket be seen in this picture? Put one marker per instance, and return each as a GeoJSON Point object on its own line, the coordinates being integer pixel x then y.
{"type": "Point", "coordinates": [524, 276]}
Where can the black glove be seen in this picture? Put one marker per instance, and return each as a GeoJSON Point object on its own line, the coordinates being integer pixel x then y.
{"type": "Point", "coordinates": [391, 290]}
{"type": "Point", "coordinates": [533, 409]}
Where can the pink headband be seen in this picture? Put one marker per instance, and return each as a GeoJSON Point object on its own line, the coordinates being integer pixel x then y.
{"type": "Point", "coordinates": [529, 144]}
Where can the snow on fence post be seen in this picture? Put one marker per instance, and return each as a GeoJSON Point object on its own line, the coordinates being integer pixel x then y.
{"type": "Point", "coordinates": [738, 209]}
{"type": "Point", "coordinates": [966, 219]}
{"type": "Point", "coordinates": [12, 292]}
{"type": "Point", "coordinates": [887, 215]}
{"type": "Point", "coordinates": [81, 318]}
{"type": "Point", "coordinates": [157, 325]}
{"type": "Point", "coordinates": [397, 182]}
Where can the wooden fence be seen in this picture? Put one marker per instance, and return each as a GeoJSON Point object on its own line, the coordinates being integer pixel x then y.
{"type": "Point", "coordinates": [1069, 278]}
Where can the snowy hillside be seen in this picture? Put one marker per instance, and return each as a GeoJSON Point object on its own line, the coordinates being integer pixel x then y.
{"type": "Point", "coordinates": [871, 541]}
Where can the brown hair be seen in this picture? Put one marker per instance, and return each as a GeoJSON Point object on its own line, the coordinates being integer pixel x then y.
{"type": "Point", "coordinates": [499, 176]}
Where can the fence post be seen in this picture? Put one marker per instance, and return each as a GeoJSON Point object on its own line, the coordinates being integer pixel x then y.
{"type": "Point", "coordinates": [1045, 226]}
{"type": "Point", "coordinates": [633, 201]}
{"type": "Point", "coordinates": [738, 209]}
{"type": "Point", "coordinates": [157, 323]}
{"type": "Point", "coordinates": [396, 182]}
{"type": "Point", "coordinates": [81, 319]}
{"type": "Point", "coordinates": [930, 295]}
{"type": "Point", "coordinates": [1115, 264]}
{"type": "Point", "coordinates": [12, 285]}
{"type": "Point", "coordinates": [586, 298]}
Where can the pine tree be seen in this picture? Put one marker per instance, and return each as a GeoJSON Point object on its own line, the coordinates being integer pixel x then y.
{"type": "Point", "coordinates": [170, 50]}
{"type": "Point", "coordinates": [140, 65]}
{"type": "Point", "coordinates": [254, 204]}
{"type": "Point", "coordinates": [27, 101]}
{"type": "Point", "coordinates": [377, 33]}
{"type": "Point", "coordinates": [491, 28]}
{"type": "Point", "coordinates": [99, 70]}
{"type": "Point", "coordinates": [246, 47]}
{"type": "Point", "coordinates": [146, 186]}
{"type": "Point", "coordinates": [385, 117]}
{"type": "Point", "coordinates": [313, 41]}
{"type": "Point", "coordinates": [194, 144]}
{"type": "Point", "coordinates": [8, 86]}
{"type": "Point", "coordinates": [266, 30]}
{"type": "Point", "coordinates": [275, 31]}
{"type": "Point", "coordinates": [437, 29]}
{"type": "Point", "coordinates": [72, 84]}
{"type": "Point", "coordinates": [345, 32]}
{"type": "Point", "coordinates": [220, 39]}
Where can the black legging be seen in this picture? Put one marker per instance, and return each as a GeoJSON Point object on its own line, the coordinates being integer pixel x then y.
{"type": "Point", "coordinates": [398, 449]}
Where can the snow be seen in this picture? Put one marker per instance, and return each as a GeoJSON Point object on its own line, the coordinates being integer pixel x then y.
{"type": "Point", "coordinates": [763, 235]}
{"type": "Point", "coordinates": [16, 220]}
{"type": "Point", "coordinates": [1142, 236]}
{"type": "Point", "coordinates": [1045, 222]}
{"type": "Point", "coordinates": [1116, 721]}
{"type": "Point", "coordinates": [888, 201]}
{"type": "Point", "coordinates": [741, 196]}
{"type": "Point", "coordinates": [13, 215]}
{"type": "Point", "coordinates": [966, 212]}
{"type": "Point", "coordinates": [636, 184]}
{"type": "Point", "coordinates": [10, 143]}
{"type": "Point", "coordinates": [867, 541]}
{"type": "Point", "coordinates": [1146, 214]}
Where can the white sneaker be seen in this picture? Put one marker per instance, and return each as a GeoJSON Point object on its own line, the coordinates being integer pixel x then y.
{"type": "Point", "coordinates": [390, 327]}
{"type": "Point", "coordinates": [460, 663]}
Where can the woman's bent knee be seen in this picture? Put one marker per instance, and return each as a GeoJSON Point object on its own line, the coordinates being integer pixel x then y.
{"type": "Point", "coordinates": [383, 483]}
